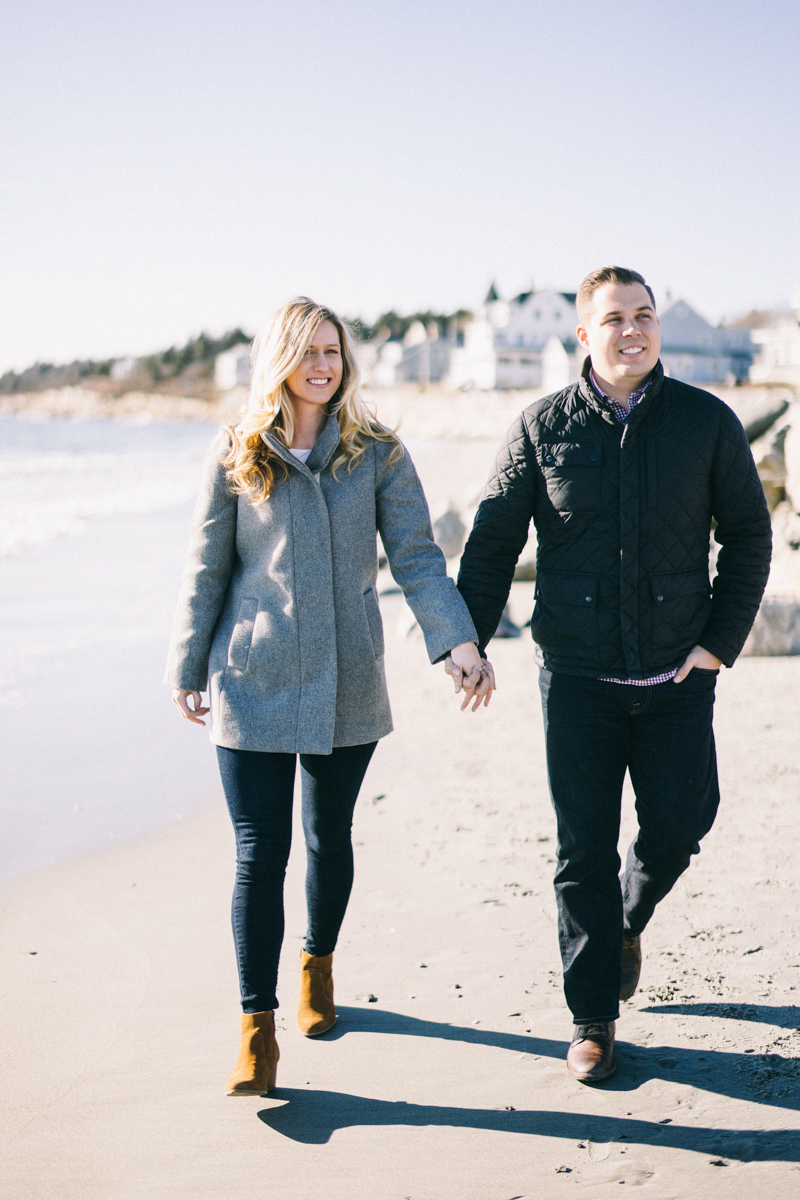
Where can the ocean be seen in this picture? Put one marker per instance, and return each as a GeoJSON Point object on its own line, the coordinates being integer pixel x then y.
{"type": "Point", "coordinates": [94, 524]}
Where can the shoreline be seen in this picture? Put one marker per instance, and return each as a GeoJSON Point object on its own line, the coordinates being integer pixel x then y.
{"type": "Point", "coordinates": [422, 413]}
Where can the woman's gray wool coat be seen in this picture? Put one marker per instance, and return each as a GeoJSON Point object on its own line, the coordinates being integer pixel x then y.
{"type": "Point", "coordinates": [278, 612]}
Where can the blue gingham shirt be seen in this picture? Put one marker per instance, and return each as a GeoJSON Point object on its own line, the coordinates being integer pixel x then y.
{"type": "Point", "coordinates": [622, 413]}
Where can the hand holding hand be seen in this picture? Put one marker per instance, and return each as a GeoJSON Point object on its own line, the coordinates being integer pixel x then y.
{"type": "Point", "coordinates": [471, 674]}
{"type": "Point", "coordinates": [697, 657]}
{"type": "Point", "coordinates": [193, 713]}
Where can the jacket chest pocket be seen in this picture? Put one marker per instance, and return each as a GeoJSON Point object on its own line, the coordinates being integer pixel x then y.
{"type": "Point", "coordinates": [571, 475]}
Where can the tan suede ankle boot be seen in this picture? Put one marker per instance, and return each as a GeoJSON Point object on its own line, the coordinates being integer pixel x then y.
{"type": "Point", "coordinates": [315, 1011]}
{"type": "Point", "coordinates": [257, 1065]}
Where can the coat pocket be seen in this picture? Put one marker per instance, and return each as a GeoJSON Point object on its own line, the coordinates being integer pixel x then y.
{"type": "Point", "coordinates": [242, 637]}
{"type": "Point", "coordinates": [570, 473]}
{"type": "Point", "coordinates": [374, 622]}
{"type": "Point", "coordinates": [564, 621]}
{"type": "Point", "coordinates": [681, 606]}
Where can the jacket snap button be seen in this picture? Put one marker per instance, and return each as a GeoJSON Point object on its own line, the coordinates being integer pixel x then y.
{"type": "Point", "coordinates": [594, 458]}
{"type": "Point", "coordinates": [659, 597]}
{"type": "Point", "coordinates": [588, 599]}
{"type": "Point", "coordinates": [549, 458]}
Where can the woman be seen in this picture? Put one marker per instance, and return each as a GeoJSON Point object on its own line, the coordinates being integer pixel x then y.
{"type": "Point", "coordinates": [278, 615]}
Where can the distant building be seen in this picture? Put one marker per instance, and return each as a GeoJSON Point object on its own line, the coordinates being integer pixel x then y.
{"type": "Point", "coordinates": [124, 368]}
{"type": "Point", "coordinates": [421, 357]}
{"type": "Point", "coordinates": [530, 342]}
{"type": "Point", "coordinates": [379, 361]}
{"type": "Point", "coordinates": [232, 368]}
{"type": "Point", "coordinates": [777, 348]}
{"type": "Point", "coordinates": [696, 352]}
{"type": "Point", "coordinates": [527, 342]}
{"type": "Point", "coordinates": [426, 355]}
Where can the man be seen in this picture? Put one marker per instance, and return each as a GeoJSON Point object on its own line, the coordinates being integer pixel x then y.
{"type": "Point", "coordinates": [623, 474]}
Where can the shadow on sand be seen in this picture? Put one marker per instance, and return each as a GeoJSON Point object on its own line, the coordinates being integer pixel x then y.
{"type": "Point", "coordinates": [786, 1016]}
{"type": "Point", "coordinates": [770, 1079]}
{"type": "Point", "coordinates": [312, 1117]}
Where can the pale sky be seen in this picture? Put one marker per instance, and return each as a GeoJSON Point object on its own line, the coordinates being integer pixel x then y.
{"type": "Point", "coordinates": [179, 165]}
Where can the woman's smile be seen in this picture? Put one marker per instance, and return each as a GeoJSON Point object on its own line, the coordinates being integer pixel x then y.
{"type": "Point", "coordinates": [317, 378]}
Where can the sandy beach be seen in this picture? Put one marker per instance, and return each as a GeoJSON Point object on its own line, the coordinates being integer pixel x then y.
{"type": "Point", "coordinates": [444, 1078]}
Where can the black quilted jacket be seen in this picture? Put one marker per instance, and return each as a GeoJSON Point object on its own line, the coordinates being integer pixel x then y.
{"type": "Point", "coordinates": [623, 516]}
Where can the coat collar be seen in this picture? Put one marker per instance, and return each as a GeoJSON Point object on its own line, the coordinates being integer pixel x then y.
{"type": "Point", "coordinates": [655, 384]}
{"type": "Point", "coordinates": [323, 451]}
{"type": "Point", "coordinates": [325, 446]}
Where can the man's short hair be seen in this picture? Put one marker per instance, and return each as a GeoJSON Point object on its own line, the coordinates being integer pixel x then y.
{"type": "Point", "coordinates": [596, 279]}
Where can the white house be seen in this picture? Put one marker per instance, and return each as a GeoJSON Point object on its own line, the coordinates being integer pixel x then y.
{"type": "Point", "coordinates": [232, 367]}
{"type": "Point", "coordinates": [379, 362]}
{"type": "Point", "coordinates": [124, 368]}
{"type": "Point", "coordinates": [421, 357]}
{"type": "Point", "coordinates": [426, 355]}
{"type": "Point", "coordinates": [527, 342]}
{"type": "Point", "coordinates": [777, 349]}
{"type": "Point", "coordinates": [696, 352]}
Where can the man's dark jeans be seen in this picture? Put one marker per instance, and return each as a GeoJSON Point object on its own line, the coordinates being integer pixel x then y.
{"type": "Point", "coordinates": [594, 732]}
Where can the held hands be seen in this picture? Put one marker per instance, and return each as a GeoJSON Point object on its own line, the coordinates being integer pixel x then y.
{"type": "Point", "coordinates": [697, 657]}
{"type": "Point", "coordinates": [194, 712]}
{"type": "Point", "coordinates": [471, 674]}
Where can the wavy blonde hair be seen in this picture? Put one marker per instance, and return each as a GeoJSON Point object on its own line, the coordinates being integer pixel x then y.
{"type": "Point", "coordinates": [253, 467]}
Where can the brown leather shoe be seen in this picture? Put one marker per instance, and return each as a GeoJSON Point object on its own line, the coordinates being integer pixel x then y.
{"type": "Point", "coordinates": [256, 1067]}
{"type": "Point", "coordinates": [631, 965]}
{"type": "Point", "coordinates": [316, 1013]}
{"type": "Point", "coordinates": [590, 1057]}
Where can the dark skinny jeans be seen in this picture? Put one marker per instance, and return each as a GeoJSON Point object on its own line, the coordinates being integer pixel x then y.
{"type": "Point", "coordinates": [594, 733]}
{"type": "Point", "coordinates": [259, 789]}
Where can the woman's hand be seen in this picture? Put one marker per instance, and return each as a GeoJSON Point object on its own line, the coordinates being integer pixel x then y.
{"type": "Point", "coordinates": [194, 712]}
{"type": "Point", "coordinates": [471, 674]}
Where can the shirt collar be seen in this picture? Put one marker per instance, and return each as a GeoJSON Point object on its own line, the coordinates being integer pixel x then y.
{"type": "Point", "coordinates": [634, 397]}
{"type": "Point", "coordinates": [619, 410]}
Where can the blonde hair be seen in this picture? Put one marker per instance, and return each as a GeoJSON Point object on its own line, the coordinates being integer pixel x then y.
{"type": "Point", "coordinates": [253, 467]}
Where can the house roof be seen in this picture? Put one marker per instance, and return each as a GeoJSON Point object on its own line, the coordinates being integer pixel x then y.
{"type": "Point", "coordinates": [757, 318]}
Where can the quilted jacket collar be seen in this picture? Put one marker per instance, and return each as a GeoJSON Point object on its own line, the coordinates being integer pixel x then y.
{"type": "Point", "coordinates": [654, 387]}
